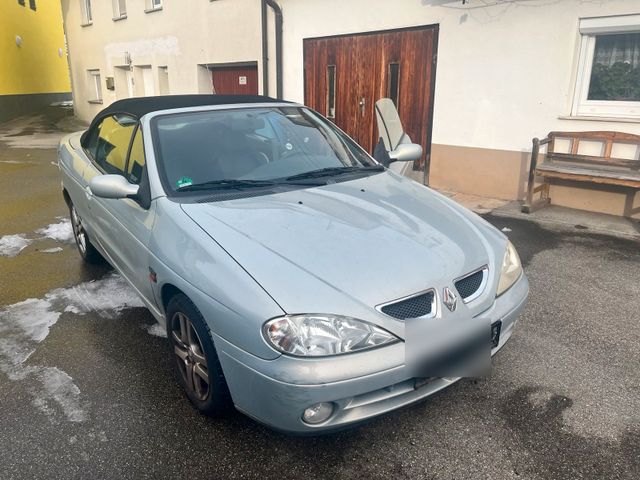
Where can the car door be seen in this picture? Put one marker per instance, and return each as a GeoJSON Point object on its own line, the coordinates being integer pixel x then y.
{"type": "Point", "coordinates": [73, 161]}
{"type": "Point", "coordinates": [122, 226]}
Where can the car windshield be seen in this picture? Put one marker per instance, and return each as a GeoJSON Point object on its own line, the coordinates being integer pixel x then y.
{"type": "Point", "coordinates": [253, 148]}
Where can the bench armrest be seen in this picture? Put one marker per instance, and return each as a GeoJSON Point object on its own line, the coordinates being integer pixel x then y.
{"type": "Point", "coordinates": [535, 150]}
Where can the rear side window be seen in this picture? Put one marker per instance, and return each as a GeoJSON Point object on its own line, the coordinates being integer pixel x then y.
{"type": "Point", "coordinates": [109, 143]}
{"type": "Point", "coordinates": [135, 165]}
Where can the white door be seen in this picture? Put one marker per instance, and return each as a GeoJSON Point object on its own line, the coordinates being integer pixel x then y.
{"type": "Point", "coordinates": [124, 82]}
{"type": "Point", "coordinates": [147, 80]}
{"type": "Point", "coordinates": [129, 78]}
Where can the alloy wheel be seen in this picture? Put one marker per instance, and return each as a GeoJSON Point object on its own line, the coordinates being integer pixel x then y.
{"type": "Point", "coordinates": [78, 231]}
{"type": "Point", "coordinates": [190, 356]}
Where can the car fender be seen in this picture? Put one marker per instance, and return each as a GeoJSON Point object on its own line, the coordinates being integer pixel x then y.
{"type": "Point", "coordinates": [233, 304]}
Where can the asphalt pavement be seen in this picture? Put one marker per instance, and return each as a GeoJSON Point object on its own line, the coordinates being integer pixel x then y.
{"type": "Point", "coordinates": [87, 388]}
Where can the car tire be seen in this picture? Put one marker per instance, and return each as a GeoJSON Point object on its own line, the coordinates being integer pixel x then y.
{"type": "Point", "coordinates": [87, 251]}
{"type": "Point", "coordinates": [195, 359]}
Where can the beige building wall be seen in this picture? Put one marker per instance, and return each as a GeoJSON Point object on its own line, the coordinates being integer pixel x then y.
{"type": "Point", "coordinates": [505, 73]}
{"type": "Point", "coordinates": [166, 49]}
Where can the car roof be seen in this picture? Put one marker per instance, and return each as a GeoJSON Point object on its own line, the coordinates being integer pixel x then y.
{"type": "Point", "coordinates": [140, 106]}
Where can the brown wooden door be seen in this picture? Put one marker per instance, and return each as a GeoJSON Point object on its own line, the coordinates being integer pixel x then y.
{"type": "Point", "coordinates": [235, 80]}
{"type": "Point", "coordinates": [349, 73]}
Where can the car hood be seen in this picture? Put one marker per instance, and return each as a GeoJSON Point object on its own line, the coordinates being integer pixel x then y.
{"type": "Point", "coordinates": [346, 247]}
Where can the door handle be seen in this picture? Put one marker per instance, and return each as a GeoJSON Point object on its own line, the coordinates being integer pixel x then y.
{"type": "Point", "coordinates": [362, 104]}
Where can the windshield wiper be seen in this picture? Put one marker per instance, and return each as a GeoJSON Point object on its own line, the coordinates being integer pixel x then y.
{"type": "Point", "coordinates": [240, 183]}
{"type": "Point", "coordinates": [226, 183]}
{"type": "Point", "coordinates": [333, 171]}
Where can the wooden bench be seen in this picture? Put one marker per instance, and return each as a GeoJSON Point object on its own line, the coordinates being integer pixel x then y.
{"type": "Point", "coordinates": [569, 164]}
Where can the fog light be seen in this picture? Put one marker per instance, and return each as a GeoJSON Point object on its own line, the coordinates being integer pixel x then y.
{"type": "Point", "coordinates": [318, 413]}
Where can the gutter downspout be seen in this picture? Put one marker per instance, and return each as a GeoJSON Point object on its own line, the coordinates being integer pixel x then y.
{"type": "Point", "coordinates": [277, 11]}
{"type": "Point", "coordinates": [265, 50]}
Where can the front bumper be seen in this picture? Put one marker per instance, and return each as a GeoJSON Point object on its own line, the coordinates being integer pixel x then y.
{"type": "Point", "coordinates": [361, 385]}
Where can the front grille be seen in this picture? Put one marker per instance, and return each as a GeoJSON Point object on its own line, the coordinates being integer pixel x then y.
{"type": "Point", "coordinates": [470, 284]}
{"type": "Point", "coordinates": [413, 307]}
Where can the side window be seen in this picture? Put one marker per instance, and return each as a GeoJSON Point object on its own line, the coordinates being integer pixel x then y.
{"type": "Point", "coordinates": [112, 143]}
{"type": "Point", "coordinates": [135, 164]}
{"type": "Point", "coordinates": [92, 142]}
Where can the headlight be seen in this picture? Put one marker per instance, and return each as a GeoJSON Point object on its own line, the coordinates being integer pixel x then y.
{"type": "Point", "coordinates": [316, 335]}
{"type": "Point", "coordinates": [511, 269]}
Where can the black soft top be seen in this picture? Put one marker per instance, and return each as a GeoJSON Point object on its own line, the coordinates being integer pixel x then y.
{"type": "Point", "coordinates": [139, 106]}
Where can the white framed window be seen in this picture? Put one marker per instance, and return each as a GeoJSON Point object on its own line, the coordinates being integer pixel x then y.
{"type": "Point", "coordinates": [119, 9]}
{"type": "Point", "coordinates": [94, 89]}
{"type": "Point", "coordinates": [87, 16]}
{"type": "Point", "coordinates": [153, 5]}
{"type": "Point", "coordinates": [608, 79]}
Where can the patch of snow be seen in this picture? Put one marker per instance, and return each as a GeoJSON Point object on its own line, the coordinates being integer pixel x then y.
{"type": "Point", "coordinates": [506, 229]}
{"type": "Point", "coordinates": [49, 387]}
{"type": "Point", "coordinates": [58, 388]}
{"type": "Point", "coordinates": [12, 245]}
{"type": "Point", "coordinates": [106, 296]}
{"type": "Point", "coordinates": [11, 161]}
{"type": "Point", "coordinates": [61, 231]}
{"type": "Point", "coordinates": [52, 250]}
{"type": "Point", "coordinates": [25, 324]}
{"type": "Point", "coordinates": [157, 330]}
{"type": "Point", "coordinates": [41, 404]}
{"type": "Point", "coordinates": [14, 352]}
{"type": "Point", "coordinates": [33, 317]}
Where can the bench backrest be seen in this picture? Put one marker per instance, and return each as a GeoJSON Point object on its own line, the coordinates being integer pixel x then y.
{"type": "Point", "coordinates": [610, 149]}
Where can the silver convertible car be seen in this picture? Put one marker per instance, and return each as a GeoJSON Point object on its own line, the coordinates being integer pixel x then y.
{"type": "Point", "coordinates": [299, 280]}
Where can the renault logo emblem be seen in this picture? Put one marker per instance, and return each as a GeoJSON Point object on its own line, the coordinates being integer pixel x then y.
{"type": "Point", "coordinates": [450, 299]}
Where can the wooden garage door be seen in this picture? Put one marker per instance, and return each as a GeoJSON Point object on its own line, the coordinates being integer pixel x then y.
{"type": "Point", "coordinates": [235, 80]}
{"type": "Point", "coordinates": [345, 75]}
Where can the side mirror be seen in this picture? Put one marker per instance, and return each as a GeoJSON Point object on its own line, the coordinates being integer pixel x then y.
{"type": "Point", "coordinates": [389, 124]}
{"type": "Point", "coordinates": [406, 152]}
{"type": "Point", "coordinates": [395, 145]}
{"type": "Point", "coordinates": [112, 186]}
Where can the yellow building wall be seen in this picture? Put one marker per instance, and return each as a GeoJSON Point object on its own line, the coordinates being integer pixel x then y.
{"type": "Point", "coordinates": [39, 64]}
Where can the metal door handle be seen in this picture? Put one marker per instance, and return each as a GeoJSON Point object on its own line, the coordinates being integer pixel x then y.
{"type": "Point", "coordinates": [362, 104]}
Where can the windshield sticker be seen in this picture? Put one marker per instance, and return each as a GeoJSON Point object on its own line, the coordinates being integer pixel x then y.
{"type": "Point", "coordinates": [184, 182]}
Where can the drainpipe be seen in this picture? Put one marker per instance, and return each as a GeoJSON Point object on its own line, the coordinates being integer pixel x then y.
{"type": "Point", "coordinates": [277, 11]}
{"type": "Point", "coordinates": [265, 51]}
